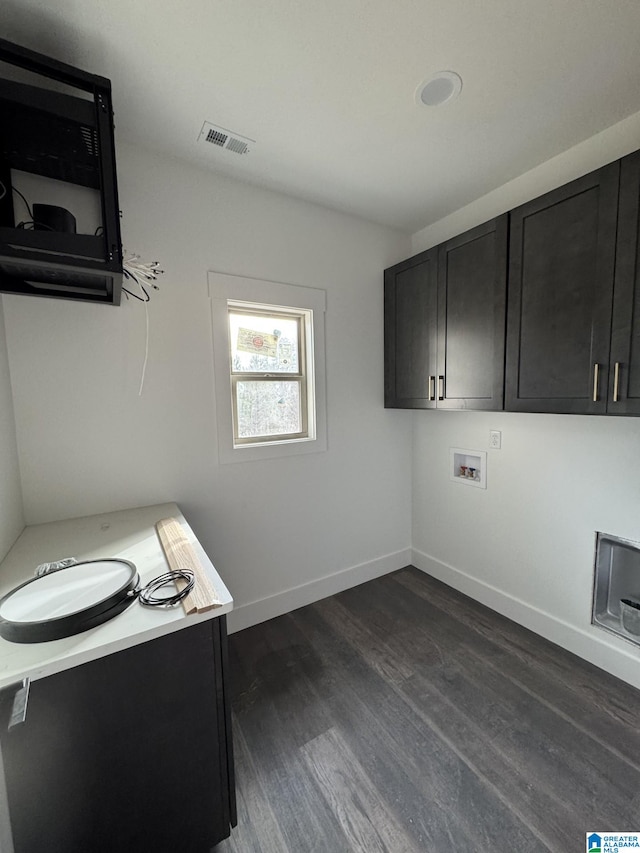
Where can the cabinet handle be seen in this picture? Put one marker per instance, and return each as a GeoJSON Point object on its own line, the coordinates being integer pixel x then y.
{"type": "Point", "coordinates": [596, 373]}
{"type": "Point", "coordinates": [616, 381]}
{"type": "Point", "coordinates": [432, 388]}
{"type": "Point", "coordinates": [440, 387]}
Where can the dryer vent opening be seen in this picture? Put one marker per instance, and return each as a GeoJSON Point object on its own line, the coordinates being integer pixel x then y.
{"type": "Point", "coordinates": [616, 586]}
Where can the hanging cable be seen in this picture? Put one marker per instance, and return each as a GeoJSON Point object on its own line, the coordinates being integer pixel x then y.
{"type": "Point", "coordinates": [17, 192]}
{"type": "Point", "coordinates": [144, 275]}
{"type": "Point", "coordinates": [129, 293]}
{"type": "Point", "coordinates": [146, 348]}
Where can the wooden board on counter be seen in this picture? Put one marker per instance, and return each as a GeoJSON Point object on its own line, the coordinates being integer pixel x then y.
{"type": "Point", "coordinates": [180, 557]}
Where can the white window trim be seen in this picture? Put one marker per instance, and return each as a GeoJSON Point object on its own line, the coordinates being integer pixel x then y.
{"type": "Point", "coordinates": [224, 288]}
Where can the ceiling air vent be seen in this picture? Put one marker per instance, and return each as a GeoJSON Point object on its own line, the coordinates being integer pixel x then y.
{"type": "Point", "coordinates": [223, 138]}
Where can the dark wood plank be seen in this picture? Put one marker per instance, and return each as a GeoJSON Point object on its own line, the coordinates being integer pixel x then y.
{"type": "Point", "coordinates": [368, 825]}
{"type": "Point", "coordinates": [469, 724]}
{"type": "Point", "coordinates": [275, 716]}
{"type": "Point", "coordinates": [357, 700]}
{"type": "Point", "coordinates": [258, 827]}
{"type": "Point", "coordinates": [564, 761]}
{"type": "Point", "coordinates": [441, 796]}
{"type": "Point", "coordinates": [401, 715]}
{"type": "Point", "coordinates": [605, 707]}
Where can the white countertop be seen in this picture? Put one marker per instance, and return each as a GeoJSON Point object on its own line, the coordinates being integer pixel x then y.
{"type": "Point", "coordinates": [128, 534]}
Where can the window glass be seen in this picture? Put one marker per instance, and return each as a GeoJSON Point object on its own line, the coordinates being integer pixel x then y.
{"type": "Point", "coordinates": [268, 408]}
{"type": "Point", "coordinates": [269, 383]}
{"type": "Point", "coordinates": [266, 343]}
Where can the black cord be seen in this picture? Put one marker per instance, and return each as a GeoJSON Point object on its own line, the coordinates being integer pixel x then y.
{"type": "Point", "coordinates": [146, 594]}
{"type": "Point", "coordinates": [24, 200]}
{"type": "Point", "coordinates": [128, 275]}
{"type": "Point", "coordinates": [135, 295]}
{"type": "Point", "coordinates": [33, 224]}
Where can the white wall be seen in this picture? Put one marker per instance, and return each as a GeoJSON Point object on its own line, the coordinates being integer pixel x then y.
{"type": "Point", "coordinates": [88, 443]}
{"type": "Point", "coordinates": [11, 516]}
{"type": "Point", "coordinates": [526, 545]}
{"type": "Point", "coordinates": [605, 147]}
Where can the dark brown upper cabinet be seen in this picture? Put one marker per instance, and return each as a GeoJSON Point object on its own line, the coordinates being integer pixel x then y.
{"type": "Point", "coordinates": [410, 332]}
{"type": "Point", "coordinates": [624, 373]}
{"type": "Point", "coordinates": [561, 275]}
{"type": "Point", "coordinates": [445, 324]}
{"type": "Point", "coordinates": [472, 284]}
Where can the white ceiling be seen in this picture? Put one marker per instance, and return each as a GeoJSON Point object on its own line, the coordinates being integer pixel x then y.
{"type": "Point", "coordinates": [327, 87]}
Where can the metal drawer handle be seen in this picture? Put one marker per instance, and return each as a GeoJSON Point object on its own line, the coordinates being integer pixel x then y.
{"type": "Point", "coordinates": [616, 381]}
{"type": "Point", "coordinates": [432, 388]}
{"type": "Point", "coordinates": [596, 373]}
{"type": "Point", "coordinates": [440, 387]}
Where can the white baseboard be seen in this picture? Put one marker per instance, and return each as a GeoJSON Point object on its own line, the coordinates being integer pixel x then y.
{"type": "Point", "coordinates": [246, 615]}
{"type": "Point", "coordinates": [621, 660]}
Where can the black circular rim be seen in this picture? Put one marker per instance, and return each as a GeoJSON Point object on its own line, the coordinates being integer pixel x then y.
{"type": "Point", "coordinates": [44, 630]}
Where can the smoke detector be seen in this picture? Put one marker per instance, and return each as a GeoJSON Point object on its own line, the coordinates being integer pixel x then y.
{"type": "Point", "coordinates": [223, 138]}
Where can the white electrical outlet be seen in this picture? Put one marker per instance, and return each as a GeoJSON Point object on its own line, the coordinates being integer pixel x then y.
{"type": "Point", "coordinates": [495, 439]}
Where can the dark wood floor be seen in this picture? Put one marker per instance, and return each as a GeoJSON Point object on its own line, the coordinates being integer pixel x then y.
{"type": "Point", "coordinates": [402, 716]}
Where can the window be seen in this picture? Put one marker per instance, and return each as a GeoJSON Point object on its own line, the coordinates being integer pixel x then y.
{"type": "Point", "coordinates": [271, 388]}
{"type": "Point", "coordinates": [268, 345]}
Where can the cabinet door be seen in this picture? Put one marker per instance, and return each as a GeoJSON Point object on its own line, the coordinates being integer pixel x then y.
{"type": "Point", "coordinates": [624, 380]}
{"type": "Point", "coordinates": [124, 753]}
{"type": "Point", "coordinates": [562, 249]}
{"type": "Point", "coordinates": [410, 309]}
{"type": "Point", "coordinates": [472, 282]}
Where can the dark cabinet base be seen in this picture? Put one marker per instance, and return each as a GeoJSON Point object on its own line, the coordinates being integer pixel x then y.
{"type": "Point", "coordinates": [129, 752]}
